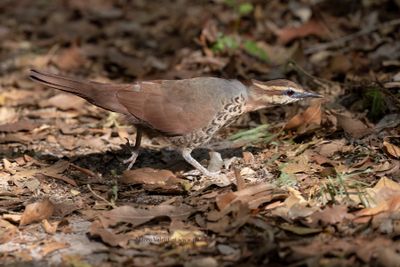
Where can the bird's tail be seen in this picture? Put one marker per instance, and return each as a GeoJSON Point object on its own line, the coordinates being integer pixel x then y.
{"type": "Point", "coordinates": [100, 94]}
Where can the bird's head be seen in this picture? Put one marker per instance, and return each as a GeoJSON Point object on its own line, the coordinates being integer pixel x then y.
{"type": "Point", "coordinates": [276, 92]}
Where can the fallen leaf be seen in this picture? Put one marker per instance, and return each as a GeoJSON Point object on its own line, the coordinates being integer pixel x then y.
{"type": "Point", "coordinates": [248, 157]}
{"type": "Point", "coordinates": [70, 58]}
{"type": "Point", "coordinates": [138, 216]}
{"type": "Point", "coordinates": [354, 127]}
{"type": "Point", "coordinates": [107, 235]}
{"type": "Point", "coordinates": [53, 246]}
{"type": "Point", "coordinates": [390, 148]}
{"type": "Point", "coordinates": [299, 230]}
{"type": "Point", "coordinates": [37, 211]}
{"type": "Point", "coordinates": [331, 148]}
{"type": "Point", "coordinates": [185, 237]}
{"type": "Point", "coordinates": [384, 197]}
{"type": "Point", "coordinates": [311, 27]}
{"type": "Point", "coordinates": [310, 118]}
{"type": "Point", "coordinates": [64, 102]}
{"type": "Point", "coordinates": [153, 179]}
{"type": "Point", "coordinates": [21, 125]}
{"type": "Point", "coordinates": [50, 228]}
{"type": "Point", "coordinates": [53, 171]}
{"type": "Point", "coordinates": [7, 231]}
{"type": "Point", "coordinates": [331, 215]}
{"type": "Point", "coordinates": [253, 195]}
{"type": "Point", "coordinates": [229, 220]}
{"type": "Point", "coordinates": [300, 164]}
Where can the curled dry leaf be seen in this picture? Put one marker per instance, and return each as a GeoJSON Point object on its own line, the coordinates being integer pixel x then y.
{"type": "Point", "coordinates": [230, 219]}
{"type": "Point", "coordinates": [108, 236]}
{"type": "Point", "coordinates": [311, 27]}
{"type": "Point", "coordinates": [254, 196]}
{"type": "Point", "coordinates": [383, 197]}
{"type": "Point", "coordinates": [310, 118]}
{"type": "Point", "coordinates": [390, 148]}
{"type": "Point", "coordinates": [354, 127]}
{"type": "Point", "coordinates": [138, 216]}
{"type": "Point", "coordinates": [37, 211]}
{"type": "Point", "coordinates": [153, 178]}
{"type": "Point", "coordinates": [50, 228]}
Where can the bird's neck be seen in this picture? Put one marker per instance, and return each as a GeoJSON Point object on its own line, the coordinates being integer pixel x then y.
{"type": "Point", "coordinates": [257, 99]}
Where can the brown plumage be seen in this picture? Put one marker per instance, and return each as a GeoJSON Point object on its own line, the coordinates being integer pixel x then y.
{"type": "Point", "coordinates": [187, 111]}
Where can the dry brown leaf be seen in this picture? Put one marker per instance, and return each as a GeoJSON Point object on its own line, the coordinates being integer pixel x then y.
{"type": "Point", "coordinates": [331, 215]}
{"type": "Point", "coordinates": [227, 221]}
{"type": "Point", "coordinates": [253, 195]}
{"type": "Point", "coordinates": [53, 246]}
{"type": "Point", "coordinates": [50, 228]}
{"type": "Point", "coordinates": [390, 148]}
{"type": "Point", "coordinates": [311, 27]}
{"type": "Point", "coordinates": [153, 178]}
{"type": "Point", "coordinates": [107, 236]}
{"type": "Point", "coordinates": [311, 116]}
{"type": "Point", "coordinates": [37, 211]}
{"type": "Point", "coordinates": [331, 148]}
{"type": "Point", "coordinates": [353, 127]}
{"type": "Point", "coordinates": [53, 171]}
{"type": "Point", "coordinates": [248, 157]}
{"type": "Point", "coordinates": [64, 102]}
{"type": "Point", "coordinates": [384, 197]}
{"type": "Point", "coordinates": [300, 164]}
{"type": "Point", "coordinates": [21, 125]}
{"type": "Point", "coordinates": [7, 231]}
{"type": "Point", "coordinates": [138, 216]}
{"type": "Point", "coordinates": [8, 115]}
{"type": "Point", "coordinates": [70, 58]}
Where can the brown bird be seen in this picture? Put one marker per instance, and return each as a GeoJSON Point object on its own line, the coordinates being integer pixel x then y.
{"type": "Point", "coordinates": [188, 112]}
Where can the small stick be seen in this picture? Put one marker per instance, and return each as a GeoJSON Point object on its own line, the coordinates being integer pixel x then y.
{"type": "Point", "coordinates": [100, 197]}
{"type": "Point", "coordinates": [350, 37]}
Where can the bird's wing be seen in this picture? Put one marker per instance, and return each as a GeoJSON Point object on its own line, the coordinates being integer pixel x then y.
{"type": "Point", "coordinates": [172, 107]}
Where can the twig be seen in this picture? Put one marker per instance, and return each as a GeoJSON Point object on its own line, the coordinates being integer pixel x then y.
{"type": "Point", "coordinates": [341, 41]}
{"type": "Point", "coordinates": [85, 171]}
{"type": "Point", "coordinates": [320, 82]}
{"type": "Point", "coordinates": [100, 197]}
{"type": "Point", "coordinates": [240, 183]}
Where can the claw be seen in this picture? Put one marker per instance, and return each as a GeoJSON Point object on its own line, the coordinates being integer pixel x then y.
{"type": "Point", "coordinates": [132, 159]}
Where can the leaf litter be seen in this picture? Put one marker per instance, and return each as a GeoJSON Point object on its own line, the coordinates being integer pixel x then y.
{"type": "Point", "coordinates": [321, 188]}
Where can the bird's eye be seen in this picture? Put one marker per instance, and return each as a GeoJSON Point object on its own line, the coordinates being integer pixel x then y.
{"type": "Point", "coordinates": [290, 92]}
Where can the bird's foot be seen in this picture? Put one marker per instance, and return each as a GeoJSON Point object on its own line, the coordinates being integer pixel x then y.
{"type": "Point", "coordinates": [132, 159]}
{"type": "Point", "coordinates": [217, 178]}
{"type": "Point", "coordinates": [205, 172]}
{"type": "Point", "coordinates": [134, 154]}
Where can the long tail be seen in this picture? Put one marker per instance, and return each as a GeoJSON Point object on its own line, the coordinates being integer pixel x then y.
{"type": "Point", "coordinates": [100, 94]}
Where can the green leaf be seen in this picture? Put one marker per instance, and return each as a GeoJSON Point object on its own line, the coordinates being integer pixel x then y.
{"type": "Point", "coordinates": [245, 9]}
{"type": "Point", "coordinates": [230, 3]}
{"type": "Point", "coordinates": [376, 102]}
{"type": "Point", "coordinates": [253, 49]}
{"type": "Point", "coordinates": [299, 230]}
{"type": "Point", "coordinates": [224, 43]}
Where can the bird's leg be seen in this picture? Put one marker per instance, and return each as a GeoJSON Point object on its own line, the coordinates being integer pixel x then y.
{"type": "Point", "coordinates": [186, 154]}
{"type": "Point", "coordinates": [135, 150]}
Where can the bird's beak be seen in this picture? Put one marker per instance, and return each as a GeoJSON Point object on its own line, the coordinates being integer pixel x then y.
{"type": "Point", "coordinates": [311, 94]}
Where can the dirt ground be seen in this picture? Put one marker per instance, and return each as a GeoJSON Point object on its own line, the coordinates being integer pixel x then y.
{"type": "Point", "coordinates": [310, 184]}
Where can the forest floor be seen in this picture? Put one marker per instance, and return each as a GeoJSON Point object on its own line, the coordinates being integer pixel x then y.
{"type": "Point", "coordinates": [310, 184]}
